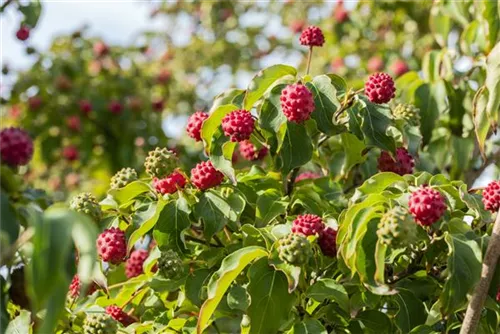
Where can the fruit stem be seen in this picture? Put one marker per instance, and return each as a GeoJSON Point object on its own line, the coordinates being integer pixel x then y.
{"type": "Point", "coordinates": [309, 57]}
{"type": "Point", "coordinates": [291, 182]}
{"type": "Point", "coordinates": [475, 308]}
{"type": "Point", "coordinates": [199, 241]}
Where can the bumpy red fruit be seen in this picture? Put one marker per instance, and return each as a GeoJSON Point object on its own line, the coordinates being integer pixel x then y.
{"type": "Point", "coordinates": [70, 153]}
{"type": "Point", "coordinates": [115, 107]}
{"type": "Point", "coordinates": [426, 205]}
{"type": "Point", "coordinates": [238, 125]}
{"type": "Point", "coordinates": [195, 121]}
{"type": "Point", "coordinates": [16, 147]}
{"type": "Point", "coordinates": [297, 103]}
{"type": "Point", "coordinates": [112, 246]}
{"type": "Point", "coordinates": [133, 267]}
{"type": "Point", "coordinates": [75, 286]}
{"type": "Point", "coordinates": [119, 315]}
{"type": "Point", "coordinates": [380, 88]}
{"type": "Point", "coordinates": [307, 176]}
{"type": "Point", "coordinates": [308, 224]}
{"type": "Point", "coordinates": [399, 67]}
{"type": "Point", "coordinates": [312, 36]}
{"type": "Point", "coordinates": [403, 164]}
{"type": "Point", "coordinates": [169, 184]}
{"type": "Point", "coordinates": [491, 196]}
{"type": "Point", "coordinates": [205, 176]}
{"type": "Point", "coordinates": [327, 242]}
{"type": "Point", "coordinates": [249, 152]}
{"type": "Point", "coordinates": [23, 33]}
{"type": "Point", "coordinates": [85, 106]}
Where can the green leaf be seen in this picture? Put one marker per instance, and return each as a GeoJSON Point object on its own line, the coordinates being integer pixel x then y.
{"type": "Point", "coordinates": [20, 324]}
{"type": "Point", "coordinates": [271, 117]}
{"type": "Point", "coordinates": [194, 285]}
{"type": "Point", "coordinates": [271, 303]}
{"type": "Point", "coordinates": [423, 329]}
{"type": "Point", "coordinates": [464, 271]}
{"type": "Point", "coordinates": [297, 148]}
{"type": "Point", "coordinates": [129, 192]}
{"type": "Point", "coordinates": [146, 220]}
{"type": "Point", "coordinates": [375, 322]}
{"type": "Point", "coordinates": [308, 326]}
{"type": "Point", "coordinates": [213, 122]}
{"type": "Point", "coordinates": [491, 15]}
{"type": "Point", "coordinates": [31, 12]}
{"type": "Point", "coordinates": [291, 272]}
{"type": "Point", "coordinates": [327, 288]}
{"type": "Point", "coordinates": [173, 220]}
{"type": "Point", "coordinates": [269, 206]}
{"type": "Point", "coordinates": [481, 123]}
{"type": "Point", "coordinates": [325, 104]}
{"type": "Point", "coordinates": [221, 154]}
{"type": "Point", "coordinates": [230, 96]}
{"type": "Point", "coordinates": [492, 83]}
{"type": "Point", "coordinates": [440, 24]}
{"type": "Point", "coordinates": [431, 65]}
{"type": "Point", "coordinates": [473, 38]}
{"type": "Point", "coordinates": [220, 281]}
{"type": "Point", "coordinates": [411, 311]}
{"type": "Point", "coordinates": [425, 100]}
{"type": "Point", "coordinates": [237, 298]}
{"type": "Point", "coordinates": [263, 81]}
{"type": "Point", "coordinates": [378, 183]}
{"type": "Point", "coordinates": [10, 224]}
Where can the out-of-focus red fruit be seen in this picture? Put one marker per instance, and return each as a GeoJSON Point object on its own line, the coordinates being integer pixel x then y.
{"type": "Point", "coordinates": [157, 105]}
{"type": "Point", "coordinates": [70, 153]}
{"type": "Point", "coordinates": [100, 49]}
{"type": "Point", "coordinates": [72, 180]}
{"type": "Point", "coordinates": [95, 67]}
{"type": "Point", "coordinates": [340, 14]}
{"type": "Point", "coordinates": [115, 107]}
{"type": "Point", "coordinates": [399, 67]}
{"type": "Point", "coordinates": [63, 83]}
{"type": "Point", "coordinates": [327, 242]}
{"type": "Point", "coordinates": [403, 164]}
{"type": "Point", "coordinates": [336, 64]}
{"type": "Point", "coordinates": [34, 102]}
{"type": "Point", "coordinates": [297, 26]}
{"type": "Point", "coordinates": [15, 111]}
{"type": "Point", "coordinates": [226, 13]}
{"type": "Point", "coordinates": [375, 64]}
{"type": "Point", "coordinates": [164, 76]}
{"type": "Point", "coordinates": [85, 106]}
{"type": "Point", "coordinates": [23, 33]}
{"type": "Point", "coordinates": [73, 123]}
{"type": "Point", "coordinates": [16, 147]}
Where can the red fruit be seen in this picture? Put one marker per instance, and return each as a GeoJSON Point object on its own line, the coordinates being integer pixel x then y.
{"type": "Point", "coordinates": [238, 125]}
{"type": "Point", "coordinates": [73, 123]}
{"type": "Point", "coordinates": [70, 153]}
{"type": "Point", "coordinates": [249, 152]}
{"type": "Point", "coordinates": [119, 315]}
{"type": "Point", "coordinates": [403, 165]}
{"type": "Point", "coordinates": [307, 176]}
{"type": "Point", "coordinates": [169, 184]}
{"type": "Point", "coordinates": [63, 83]}
{"type": "Point", "coordinates": [427, 205]}
{"type": "Point", "coordinates": [205, 176]}
{"type": "Point", "coordinates": [340, 14]}
{"type": "Point", "coordinates": [112, 246]}
{"type": "Point", "coordinates": [157, 105]}
{"type": "Point", "coordinates": [195, 121]}
{"type": "Point", "coordinates": [375, 64]}
{"type": "Point", "coordinates": [164, 76]}
{"type": "Point", "coordinates": [308, 224]}
{"type": "Point", "coordinates": [34, 102]}
{"type": "Point", "coordinates": [312, 36]}
{"type": "Point", "coordinates": [327, 242]}
{"type": "Point", "coordinates": [23, 33]}
{"type": "Point", "coordinates": [115, 107]}
{"type": "Point", "coordinates": [399, 67]}
{"type": "Point", "coordinates": [380, 88]}
{"type": "Point", "coordinates": [297, 26]}
{"type": "Point", "coordinates": [336, 64]}
{"type": "Point", "coordinates": [297, 103]}
{"type": "Point", "coordinates": [100, 49]}
{"type": "Point", "coordinates": [75, 286]}
{"type": "Point", "coordinates": [491, 196]}
{"type": "Point", "coordinates": [16, 147]}
{"type": "Point", "coordinates": [133, 267]}
{"type": "Point", "coordinates": [85, 106]}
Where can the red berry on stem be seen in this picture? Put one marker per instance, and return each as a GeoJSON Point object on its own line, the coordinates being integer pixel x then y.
{"type": "Point", "coordinates": [16, 147]}
{"type": "Point", "coordinates": [34, 102]}
{"type": "Point", "coordinates": [380, 88]}
{"type": "Point", "coordinates": [238, 125]}
{"type": "Point", "coordinates": [327, 242]}
{"type": "Point", "coordinates": [70, 153]}
{"type": "Point", "coordinates": [491, 196]}
{"type": "Point", "coordinates": [112, 246]}
{"type": "Point", "coordinates": [73, 123]}
{"type": "Point", "coordinates": [205, 176]}
{"type": "Point", "coordinates": [312, 36]}
{"type": "Point", "coordinates": [85, 106]}
{"type": "Point", "coordinates": [169, 184]}
{"type": "Point", "coordinates": [23, 33]}
{"type": "Point", "coordinates": [195, 121]}
{"type": "Point", "coordinates": [100, 49]}
{"type": "Point", "coordinates": [157, 105]}
{"type": "Point", "coordinates": [297, 103]}
{"type": "Point", "coordinates": [133, 266]}
{"type": "Point", "coordinates": [119, 315]}
{"type": "Point", "coordinates": [403, 164]}
{"type": "Point", "coordinates": [308, 224]}
{"type": "Point", "coordinates": [163, 76]}
{"type": "Point", "coordinates": [75, 286]}
{"type": "Point", "coordinates": [249, 152]}
{"type": "Point", "coordinates": [427, 205]}
{"type": "Point", "coordinates": [115, 107]}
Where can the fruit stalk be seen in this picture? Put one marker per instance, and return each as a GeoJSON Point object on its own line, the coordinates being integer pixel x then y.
{"type": "Point", "coordinates": [474, 310]}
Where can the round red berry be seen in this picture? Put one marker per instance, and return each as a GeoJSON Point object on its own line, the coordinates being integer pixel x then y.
{"type": "Point", "coordinates": [34, 102]}
{"type": "Point", "coordinates": [427, 205]}
{"type": "Point", "coordinates": [403, 164]}
{"type": "Point", "coordinates": [307, 176]}
{"type": "Point", "coordinates": [195, 121]}
{"type": "Point", "coordinates": [297, 26]}
{"type": "Point", "coordinates": [169, 184]}
{"type": "Point", "coordinates": [75, 286]}
{"type": "Point", "coordinates": [133, 266]}
{"type": "Point", "coordinates": [73, 123]}
{"type": "Point", "coordinates": [297, 103]}
{"type": "Point", "coordinates": [341, 15]}
{"type": "Point", "coordinates": [375, 64]}
{"type": "Point", "coordinates": [115, 107]}
{"type": "Point", "coordinates": [399, 67]}
{"type": "Point", "coordinates": [16, 147]}
{"type": "Point", "coordinates": [312, 36]}
{"type": "Point", "coordinates": [249, 152]}
{"type": "Point", "coordinates": [327, 242]}
{"type": "Point", "coordinates": [163, 76]}
{"type": "Point", "coordinates": [23, 33]}
{"type": "Point", "coordinates": [491, 196]}
{"type": "Point", "coordinates": [308, 224]}
{"type": "Point", "coordinates": [85, 106]}
{"type": "Point", "coordinates": [238, 125]}
{"type": "Point", "coordinates": [112, 246]}
{"type": "Point", "coordinates": [380, 88]}
{"type": "Point", "coordinates": [205, 176]}
{"type": "Point", "coordinates": [157, 105]}
{"type": "Point", "coordinates": [119, 315]}
{"type": "Point", "coordinates": [70, 153]}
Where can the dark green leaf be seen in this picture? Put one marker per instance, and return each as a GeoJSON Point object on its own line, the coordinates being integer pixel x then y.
{"type": "Point", "coordinates": [297, 148]}
{"type": "Point", "coordinates": [173, 220]}
{"type": "Point", "coordinates": [308, 326]}
{"type": "Point", "coordinates": [327, 288]}
{"type": "Point", "coordinates": [325, 104]}
{"type": "Point", "coordinates": [411, 311]}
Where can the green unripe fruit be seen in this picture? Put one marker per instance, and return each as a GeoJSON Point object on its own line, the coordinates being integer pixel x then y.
{"type": "Point", "coordinates": [99, 323]}
{"type": "Point", "coordinates": [123, 177]}
{"type": "Point", "coordinates": [170, 265]}
{"type": "Point", "coordinates": [408, 112]}
{"type": "Point", "coordinates": [87, 203]}
{"type": "Point", "coordinates": [397, 228]}
{"type": "Point", "coordinates": [160, 162]}
{"type": "Point", "coordinates": [295, 249]}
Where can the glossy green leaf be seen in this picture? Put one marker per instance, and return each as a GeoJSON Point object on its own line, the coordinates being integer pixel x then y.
{"type": "Point", "coordinates": [379, 182]}
{"type": "Point", "coordinates": [172, 221]}
{"type": "Point", "coordinates": [20, 324]}
{"type": "Point", "coordinates": [297, 148]}
{"type": "Point", "coordinates": [411, 311]}
{"type": "Point", "coordinates": [194, 285]}
{"type": "Point", "coordinates": [213, 122]}
{"type": "Point", "coordinates": [230, 96]}
{"type": "Point", "coordinates": [308, 326]}
{"type": "Point", "coordinates": [237, 298]}
{"type": "Point", "coordinates": [327, 288]}
{"type": "Point", "coordinates": [492, 83]}
{"type": "Point", "coordinates": [130, 191]}
{"type": "Point", "coordinates": [375, 322]}
{"type": "Point", "coordinates": [491, 16]}
{"type": "Point", "coordinates": [221, 155]}
{"type": "Point", "coordinates": [440, 24]}
{"type": "Point", "coordinates": [146, 220]}
{"type": "Point", "coordinates": [376, 124]}
{"type": "Point", "coordinates": [270, 205]}
{"type": "Point", "coordinates": [325, 104]}
{"type": "Point", "coordinates": [10, 224]}
{"type": "Point", "coordinates": [481, 122]}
